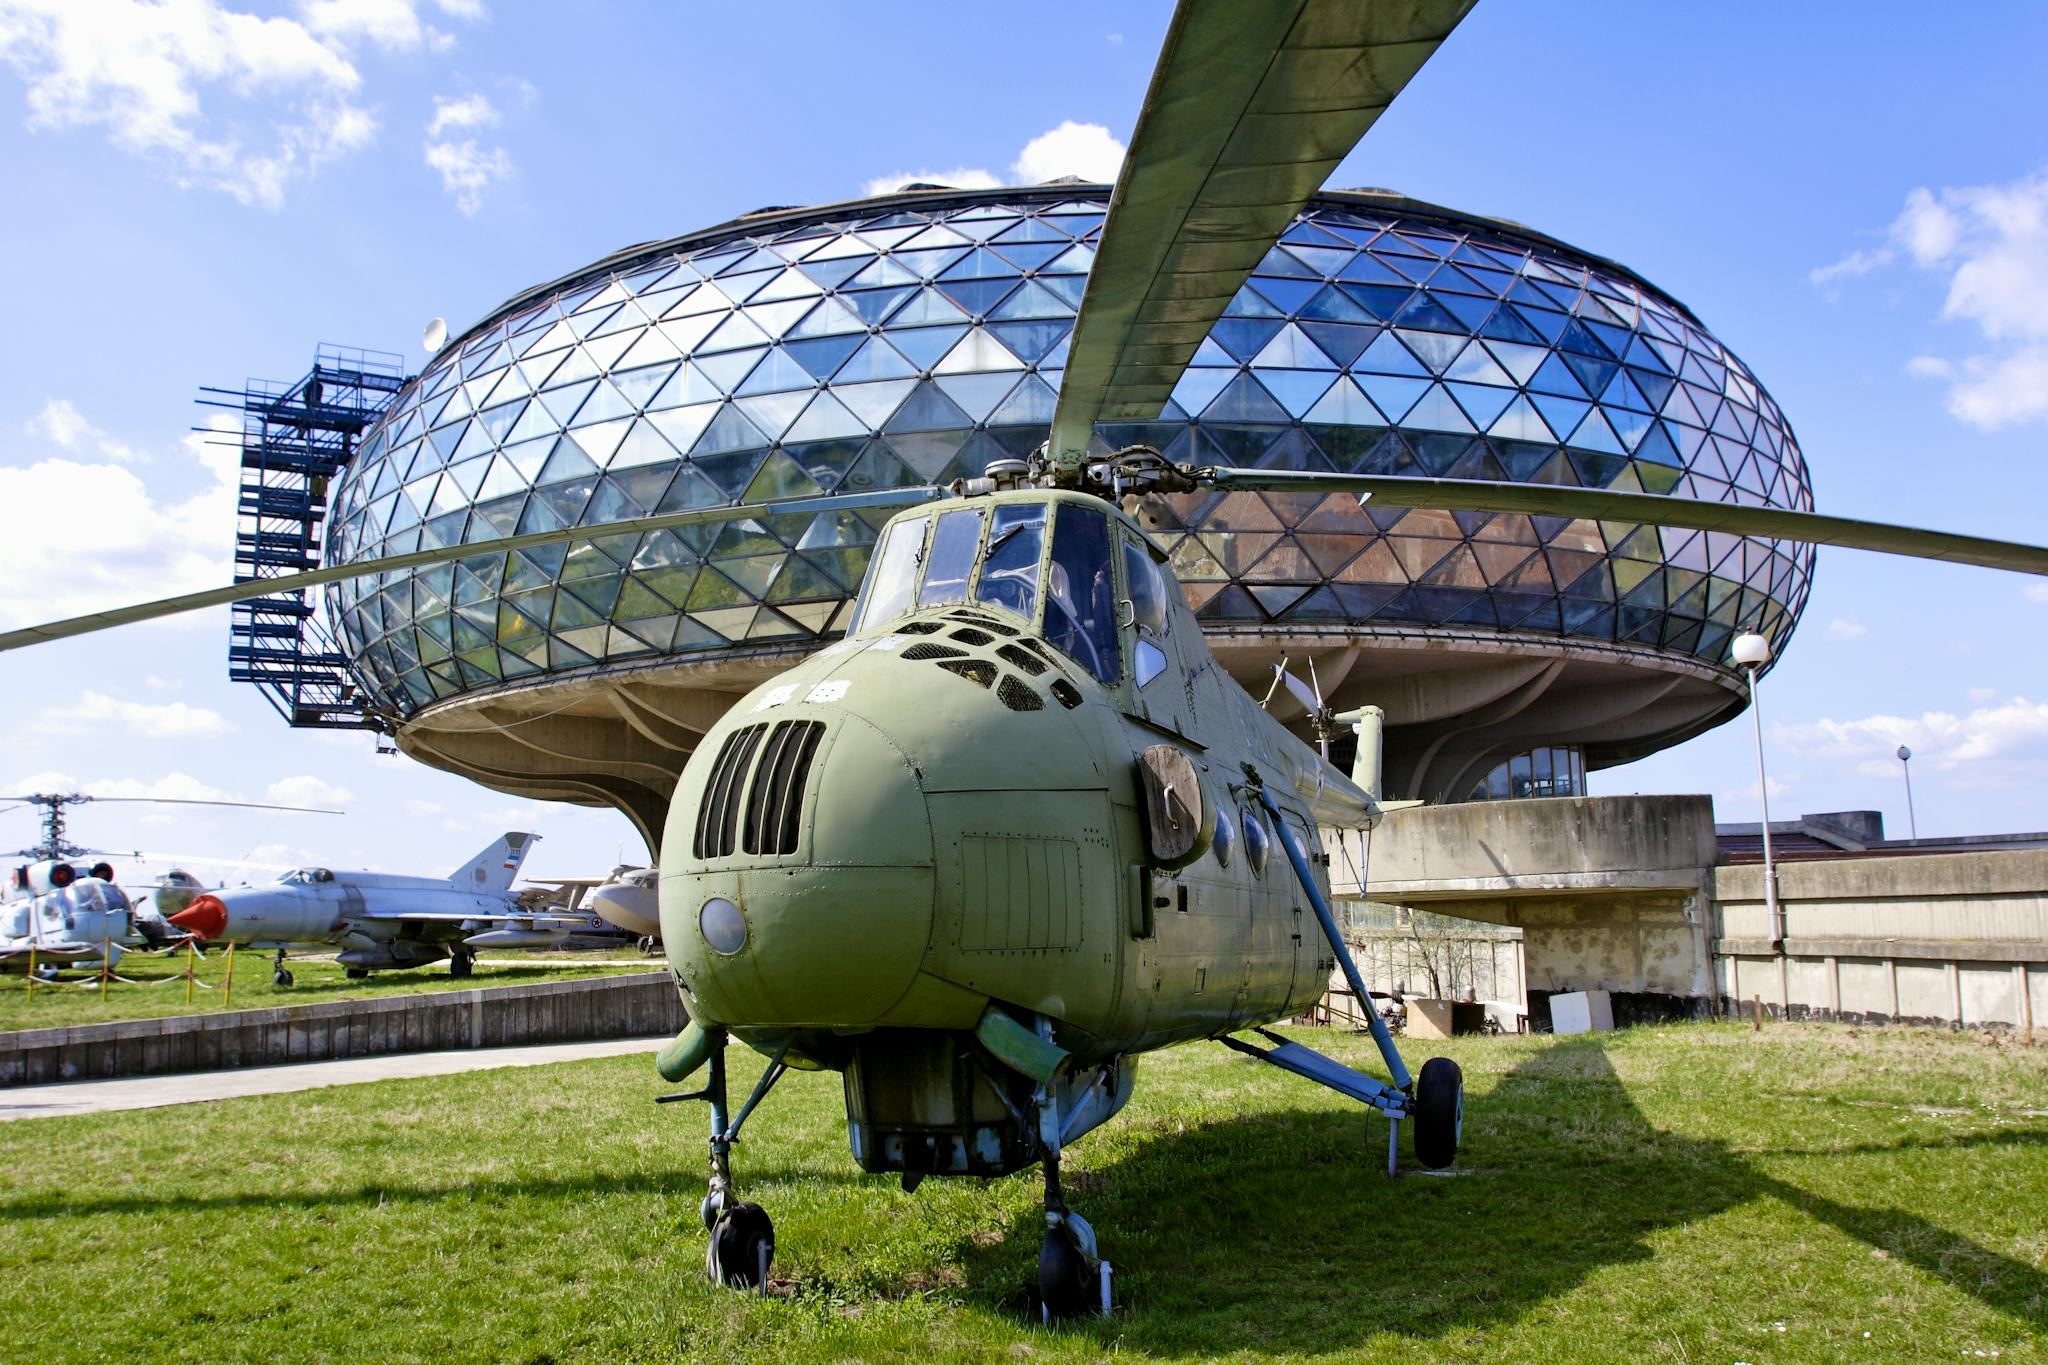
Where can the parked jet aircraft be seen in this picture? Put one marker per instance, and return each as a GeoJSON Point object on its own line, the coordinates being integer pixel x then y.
{"type": "Point", "coordinates": [383, 922]}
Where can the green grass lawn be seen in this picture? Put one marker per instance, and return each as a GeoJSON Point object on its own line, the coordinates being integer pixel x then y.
{"type": "Point", "coordinates": [159, 988]}
{"type": "Point", "coordinates": [1688, 1193]}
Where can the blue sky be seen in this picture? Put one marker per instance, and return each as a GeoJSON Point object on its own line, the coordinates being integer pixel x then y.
{"type": "Point", "coordinates": [203, 190]}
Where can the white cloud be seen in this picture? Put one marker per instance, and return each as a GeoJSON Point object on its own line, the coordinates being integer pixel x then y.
{"type": "Point", "coordinates": [1841, 628]}
{"type": "Point", "coordinates": [172, 545]}
{"type": "Point", "coordinates": [96, 711]}
{"type": "Point", "coordinates": [174, 786]}
{"type": "Point", "coordinates": [419, 810]}
{"type": "Point", "coordinates": [390, 24]}
{"type": "Point", "coordinates": [471, 10]}
{"type": "Point", "coordinates": [62, 424]}
{"type": "Point", "coordinates": [2001, 744]}
{"type": "Point", "coordinates": [147, 72]}
{"type": "Point", "coordinates": [2036, 592]}
{"type": "Point", "coordinates": [467, 170]}
{"type": "Point", "coordinates": [1740, 796]}
{"type": "Point", "coordinates": [1989, 243]}
{"type": "Point", "coordinates": [308, 790]}
{"type": "Point", "coordinates": [1083, 149]}
{"type": "Point", "coordinates": [471, 111]}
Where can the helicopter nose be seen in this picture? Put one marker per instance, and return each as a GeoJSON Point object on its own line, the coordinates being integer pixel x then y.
{"type": "Point", "coordinates": [206, 916]}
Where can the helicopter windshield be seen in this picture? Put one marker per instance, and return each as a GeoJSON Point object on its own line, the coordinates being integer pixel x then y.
{"type": "Point", "coordinates": [1009, 567]}
{"type": "Point", "coordinates": [894, 574]}
{"type": "Point", "coordinates": [1080, 599]}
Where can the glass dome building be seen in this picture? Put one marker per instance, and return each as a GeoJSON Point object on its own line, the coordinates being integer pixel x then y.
{"type": "Point", "coordinates": [915, 337]}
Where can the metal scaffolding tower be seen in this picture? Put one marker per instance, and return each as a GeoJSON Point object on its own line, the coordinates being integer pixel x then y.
{"type": "Point", "coordinates": [295, 438]}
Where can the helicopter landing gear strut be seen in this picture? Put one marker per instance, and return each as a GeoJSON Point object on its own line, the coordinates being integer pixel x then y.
{"type": "Point", "coordinates": [1073, 1279]}
{"type": "Point", "coordinates": [280, 975]}
{"type": "Point", "coordinates": [742, 1235]}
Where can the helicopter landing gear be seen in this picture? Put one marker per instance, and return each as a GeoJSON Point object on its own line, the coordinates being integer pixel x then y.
{"type": "Point", "coordinates": [356, 973]}
{"type": "Point", "coordinates": [742, 1235]}
{"type": "Point", "coordinates": [1072, 1276]}
{"type": "Point", "coordinates": [280, 975]}
{"type": "Point", "coordinates": [1439, 1112]}
{"type": "Point", "coordinates": [461, 964]}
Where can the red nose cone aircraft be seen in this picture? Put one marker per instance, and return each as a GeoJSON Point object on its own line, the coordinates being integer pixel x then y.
{"type": "Point", "coordinates": [206, 916]}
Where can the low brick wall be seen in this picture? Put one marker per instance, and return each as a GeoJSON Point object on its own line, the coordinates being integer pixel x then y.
{"type": "Point", "coordinates": [643, 1005]}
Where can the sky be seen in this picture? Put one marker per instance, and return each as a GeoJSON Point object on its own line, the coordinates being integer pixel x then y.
{"type": "Point", "coordinates": [201, 191]}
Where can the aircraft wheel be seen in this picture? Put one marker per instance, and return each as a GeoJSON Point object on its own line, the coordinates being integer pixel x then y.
{"type": "Point", "coordinates": [1439, 1112]}
{"type": "Point", "coordinates": [281, 977]}
{"type": "Point", "coordinates": [713, 1205]}
{"type": "Point", "coordinates": [460, 966]}
{"type": "Point", "coordinates": [356, 973]}
{"type": "Point", "coordinates": [1065, 1287]}
{"type": "Point", "coordinates": [742, 1247]}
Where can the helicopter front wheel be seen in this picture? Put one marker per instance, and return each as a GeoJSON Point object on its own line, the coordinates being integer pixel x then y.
{"type": "Point", "coordinates": [1439, 1112]}
{"type": "Point", "coordinates": [281, 978]}
{"type": "Point", "coordinates": [742, 1246]}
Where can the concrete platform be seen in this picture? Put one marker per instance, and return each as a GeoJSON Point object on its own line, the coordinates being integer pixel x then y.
{"type": "Point", "coordinates": [150, 1092]}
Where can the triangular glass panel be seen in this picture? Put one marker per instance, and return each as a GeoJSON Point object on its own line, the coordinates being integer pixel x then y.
{"type": "Point", "coordinates": [923, 346]}
{"type": "Point", "coordinates": [1244, 338]}
{"type": "Point", "coordinates": [876, 359]}
{"type": "Point", "coordinates": [682, 426]}
{"type": "Point", "coordinates": [729, 430]}
{"type": "Point", "coordinates": [1437, 411]}
{"type": "Point", "coordinates": [1434, 349]}
{"type": "Point", "coordinates": [977, 352]}
{"type": "Point", "coordinates": [729, 370]}
{"type": "Point", "coordinates": [825, 419]}
{"type": "Point", "coordinates": [1032, 402]}
{"type": "Point", "coordinates": [780, 477]}
{"type": "Point", "coordinates": [1482, 403]}
{"type": "Point", "coordinates": [569, 461]}
{"type": "Point", "coordinates": [773, 412]}
{"type": "Point", "coordinates": [640, 386]}
{"type": "Point", "coordinates": [1476, 365]}
{"type": "Point", "coordinates": [1292, 350]}
{"type": "Point", "coordinates": [927, 409]}
{"type": "Point", "coordinates": [820, 358]}
{"type": "Point", "coordinates": [927, 307]}
{"type": "Point", "coordinates": [1519, 421]}
{"type": "Point", "coordinates": [1031, 301]}
{"type": "Point", "coordinates": [1296, 390]}
{"type": "Point", "coordinates": [1244, 400]}
{"type": "Point", "coordinates": [977, 394]}
{"type": "Point", "coordinates": [735, 332]}
{"type": "Point", "coordinates": [1391, 394]}
{"type": "Point", "coordinates": [1387, 356]}
{"type": "Point", "coordinates": [777, 373]}
{"type": "Point", "coordinates": [1031, 340]}
{"type": "Point", "coordinates": [873, 403]}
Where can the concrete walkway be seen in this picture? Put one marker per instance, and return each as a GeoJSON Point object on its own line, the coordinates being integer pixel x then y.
{"type": "Point", "coordinates": [150, 1092]}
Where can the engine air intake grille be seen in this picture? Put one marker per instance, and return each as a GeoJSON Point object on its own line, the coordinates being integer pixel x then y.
{"type": "Point", "coordinates": [775, 801]}
{"type": "Point", "coordinates": [931, 651]}
{"type": "Point", "coordinates": [719, 809]}
{"type": "Point", "coordinates": [1019, 696]}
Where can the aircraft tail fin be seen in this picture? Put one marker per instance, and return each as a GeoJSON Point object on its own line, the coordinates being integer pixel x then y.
{"type": "Point", "coordinates": [495, 867]}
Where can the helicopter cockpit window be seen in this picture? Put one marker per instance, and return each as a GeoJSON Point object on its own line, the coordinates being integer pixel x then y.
{"type": "Point", "coordinates": [894, 573]}
{"type": "Point", "coordinates": [1009, 567]}
{"type": "Point", "coordinates": [1148, 610]}
{"type": "Point", "coordinates": [1080, 600]}
{"type": "Point", "coordinates": [952, 558]}
{"type": "Point", "coordinates": [1257, 843]}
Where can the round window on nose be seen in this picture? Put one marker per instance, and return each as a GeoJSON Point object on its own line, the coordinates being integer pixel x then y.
{"type": "Point", "coordinates": [725, 928]}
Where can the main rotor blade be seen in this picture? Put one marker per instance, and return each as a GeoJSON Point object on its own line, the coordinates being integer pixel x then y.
{"type": "Point", "coordinates": [414, 559]}
{"type": "Point", "coordinates": [1643, 509]}
{"type": "Point", "coordinates": [189, 801]}
{"type": "Point", "coordinates": [1250, 109]}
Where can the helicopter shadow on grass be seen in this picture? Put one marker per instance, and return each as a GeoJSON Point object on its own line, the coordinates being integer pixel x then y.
{"type": "Point", "coordinates": [1280, 1230]}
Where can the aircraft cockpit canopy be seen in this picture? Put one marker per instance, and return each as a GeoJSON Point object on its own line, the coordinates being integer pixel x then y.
{"type": "Point", "coordinates": [999, 555]}
{"type": "Point", "coordinates": [306, 876]}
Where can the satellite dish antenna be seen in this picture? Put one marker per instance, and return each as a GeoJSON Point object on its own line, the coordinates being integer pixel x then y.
{"type": "Point", "coordinates": [436, 335]}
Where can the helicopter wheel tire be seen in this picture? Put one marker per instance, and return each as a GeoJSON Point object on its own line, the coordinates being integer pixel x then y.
{"type": "Point", "coordinates": [281, 978]}
{"type": "Point", "coordinates": [734, 1259]}
{"type": "Point", "coordinates": [1439, 1112]}
{"type": "Point", "coordinates": [356, 973]}
{"type": "Point", "coordinates": [461, 966]}
{"type": "Point", "coordinates": [1065, 1287]}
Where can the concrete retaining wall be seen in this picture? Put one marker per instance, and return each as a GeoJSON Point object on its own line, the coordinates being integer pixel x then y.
{"type": "Point", "coordinates": [1959, 939]}
{"type": "Point", "coordinates": [642, 1005]}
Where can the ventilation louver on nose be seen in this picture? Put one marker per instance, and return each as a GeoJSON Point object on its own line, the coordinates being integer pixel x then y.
{"type": "Point", "coordinates": [775, 801]}
{"type": "Point", "coordinates": [718, 810]}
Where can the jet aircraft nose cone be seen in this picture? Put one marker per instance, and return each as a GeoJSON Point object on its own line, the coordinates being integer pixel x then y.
{"type": "Point", "coordinates": [206, 916]}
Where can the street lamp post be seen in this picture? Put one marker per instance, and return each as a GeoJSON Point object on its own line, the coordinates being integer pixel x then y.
{"type": "Point", "coordinates": [1906, 767]}
{"type": "Point", "coordinates": [1752, 652]}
